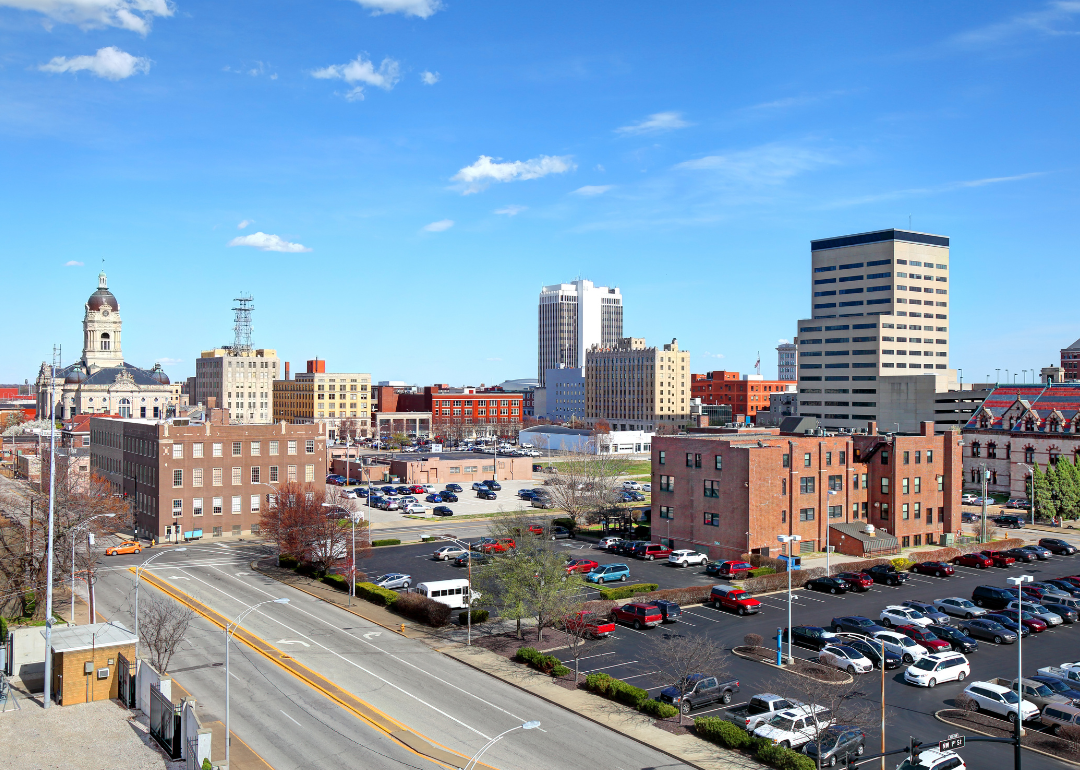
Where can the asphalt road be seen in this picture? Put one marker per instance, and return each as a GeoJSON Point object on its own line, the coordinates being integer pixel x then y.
{"type": "Point", "coordinates": [293, 727]}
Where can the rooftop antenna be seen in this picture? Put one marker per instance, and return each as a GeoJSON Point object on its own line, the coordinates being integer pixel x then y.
{"type": "Point", "coordinates": [242, 323]}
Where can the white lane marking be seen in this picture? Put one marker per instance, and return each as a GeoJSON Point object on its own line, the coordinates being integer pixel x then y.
{"type": "Point", "coordinates": [370, 634]}
{"type": "Point", "coordinates": [613, 665]}
{"type": "Point", "coordinates": [291, 641]}
{"type": "Point", "coordinates": [234, 676]}
{"type": "Point", "coordinates": [297, 723]}
{"type": "Point", "coordinates": [357, 665]}
{"type": "Point", "coordinates": [602, 654]}
{"type": "Point", "coordinates": [703, 617]}
{"type": "Point", "coordinates": [178, 577]}
{"type": "Point", "coordinates": [635, 676]}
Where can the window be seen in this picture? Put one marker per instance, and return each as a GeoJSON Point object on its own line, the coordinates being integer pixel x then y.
{"type": "Point", "coordinates": [918, 485]}
{"type": "Point", "coordinates": [292, 447]}
{"type": "Point", "coordinates": [905, 513]}
{"type": "Point", "coordinates": [1029, 454]}
{"type": "Point", "coordinates": [217, 506]}
{"type": "Point", "coordinates": [836, 483]}
{"type": "Point", "coordinates": [217, 477]}
{"type": "Point", "coordinates": [907, 457]}
{"type": "Point", "coordinates": [884, 456]}
{"type": "Point", "coordinates": [196, 477]}
{"type": "Point", "coordinates": [918, 510]}
{"type": "Point", "coordinates": [178, 478]}
{"type": "Point", "coordinates": [783, 486]}
{"type": "Point", "coordinates": [256, 448]}
{"type": "Point", "coordinates": [216, 450]}
{"type": "Point", "coordinates": [236, 479]}
{"type": "Point", "coordinates": [843, 458]}
{"type": "Point", "coordinates": [290, 473]}
{"type": "Point", "coordinates": [177, 451]}
{"type": "Point", "coordinates": [256, 473]}
{"type": "Point", "coordinates": [177, 508]}
{"type": "Point", "coordinates": [783, 517]}
{"type": "Point", "coordinates": [273, 474]}
{"type": "Point", "coordinates": [196, 507]}
{"type": "Point", "coordinates": [309, 446]}
{"type": "Point", "coordinates": [787, 461]}
{"type": "Point", "coordinates": [255, 503]}
{"type": "Point", "coordinates": [929, 456]}
{"type": "Point", "coordinates": [905, 541]}
{"type": "Point", "coordinates": [836, 511]}
{"type": "Point", "coordinates": [806, 460]}
{"type": "Point", "coordinates": [976, 449]}
{"type": "Point", "coordinates": [904, 486]}
{"type": "Point", "coordinates": [884, 485]}
{"type": "Point", "coordinates": [806, 514]}
{"type": "Point", "coordinates": [667, 483]}
{"type": "Point", "coordinates": [236, 504]}
{"type": "Point", "coordinates": [918, 457]}
{"type": "Point", "coordinates": [663, 458]}
{"type": "Point", "coordinates": [885, 511]}
{"type": "Point", "coordinates": [941, 484]}
{"type": "Point", "coordinates": [273, 447]}
{"type": "Point", "coordinates": [712, 489]}
{"type": "Point", "coordinates": [828, 458]}
{"type": "Point", "coordinates": [719, 462]}
{"type": "Point", "coordinates": [237, 448]}
{"type": "Point", "coordinates": [667, 512]}
{"type": "Point", "coordinates": [712, 520]}
{"type": "Point", "coordinates": [309, 473]}
{"type": "Point", "coordinates": [806, 485]}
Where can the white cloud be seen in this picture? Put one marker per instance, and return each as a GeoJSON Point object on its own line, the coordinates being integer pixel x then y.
{"type": "Point", "coordinates": [166, 361]}
{"type": "Point", "coordinates": [110, 63]}
{"type": "Point", "coordinates": [511, 211]}
{"type": "Point", "coordinates": [590, 190]}
{"type": "Point", "coordinates": [477, 176]}
{"type": "Point", "coordinates": [782, 341]}
{"type": "Point", "coordinates": [361, 70]}
{"type": "Point", "coordinates": [913, 192]}
{"type": "Point", "coordinates": [73, 263]}
{"type": "Point", "coordinates": [767, 164]}
{"type": "Point", "coordinates": [245, 223]}
{"type": "Point", "coordinates": [712, 355]}
{"type": "Point", "coordinates": [1043, 22]}
{"type": "Point", "coordinates": [266, 242]}
{"type": "Point", "coordinates": [655, 124]}
{"type": "Point", "coordinates": [438, 227]}
{"type": "Point", "coordinates": [135, 15]}
{"type": "Point", "coordinates": [430, 78]}
{"type": "Point", "coordinates": [421, 8]}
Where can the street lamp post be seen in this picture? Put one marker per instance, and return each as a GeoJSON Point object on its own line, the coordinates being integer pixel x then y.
{"type": "Point", "coordinates": [137, 571]}
{"type": "Point", "coordinates": [228, 634]}
{"type": "Point", "coordinates": [526, 726]}
{"type": "Point", "coordinates": [790, 540]}
{"type": "Point", "coordinates": [1031, 499]}
{"type": "Point", "coordinates": [1019, 581]}
{"type": "Point", "coordinates": [468, 613]}
{"type": "Point", "coordinates": [985, 479]}
{"type": "Point", "coordinates": [73, 531]}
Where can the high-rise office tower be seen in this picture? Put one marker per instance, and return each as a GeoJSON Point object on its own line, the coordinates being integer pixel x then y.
{"type": "Point", "coordinates": [572, 318]}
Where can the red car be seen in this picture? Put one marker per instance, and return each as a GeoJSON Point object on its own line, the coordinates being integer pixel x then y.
{"type": "Point", "coordinates": [935, 568]}
{"type": "Point", "coordinates": [999, 558]}
{"type": "Point", "coordinates": [973, 560]}
{"type": "Point", "coordinates": [1033, 624]}
{"type": "Point", "coordinates": [859, 581]}
{"type": "Point", "coordinates": [501, 545]}
{"type": "Point", "coordinates": [536, 529]}
{"type": "Point", "coordinates": [638, 615]}
{"type": "Point", "coordinates": [593, 625]}
{"type": "Point", "coordinates": [584, 566]}
{"type": "Point", "coordinates": [925, 638]}
{"type": "Point", "coordinates": [416, 489]}
{"type": "Point", "coordinates": [729, 569]}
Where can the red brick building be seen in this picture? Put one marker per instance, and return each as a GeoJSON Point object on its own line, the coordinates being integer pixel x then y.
{"type": "Point", "coordinates": [745, 396]}
{"type": "Point", "coordinates": [1070, 362]}
{"type": "Point", "coordinates": [456, 412]}
{"type": "Point", "coordinates": [733, 491]}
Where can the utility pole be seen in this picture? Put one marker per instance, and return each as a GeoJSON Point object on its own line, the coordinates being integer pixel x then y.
{"type": "Point", "coordinates": [985, 478]}
{"type": "Point", "coordinates": [49, 545]}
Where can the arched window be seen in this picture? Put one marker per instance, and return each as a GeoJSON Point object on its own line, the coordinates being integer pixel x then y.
{"type": "Point", "coordinates": [125, 407]}
{"type": "Point", "coordinates": [1012, 422]}
{"type": "Point", "coordinates": [1029, 424]}
{"type": "Point", "coordinates": [993, 476]}
{"type": "Point", "coordinates": [105, 340]}
{"type": "Point", "coordinates": [1055, 426]}
{"type": "Point", "coordinates": [1029, 454]}
{"type": "Point", "coordinates": [976, 449]}
{"type": "Point", "coordinates": [1008, 451]}
{"type": "Point", "coordinates": [991, 449]}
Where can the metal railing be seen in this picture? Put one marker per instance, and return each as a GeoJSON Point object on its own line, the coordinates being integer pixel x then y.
{"type": "Point", "coordinates": [165, 722]}
{"type": "Point", "coordinates": [125, 682]}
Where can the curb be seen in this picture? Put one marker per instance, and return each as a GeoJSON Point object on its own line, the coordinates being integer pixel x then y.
{"type": "Point", "coordinates": [850, 678]}
{"type": "Point", "coordinates": [938, 717]}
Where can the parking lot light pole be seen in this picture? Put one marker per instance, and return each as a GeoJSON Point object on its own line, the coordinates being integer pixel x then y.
{"type": "Point", "coordinates": [985, 479]}
{"type": "Point", "coordinates": [230, 629]}
{"type": "Point", "coordinates": [468, 564]}
{"type": "Point", "coordinates": [790, 540]}
{"type": "Point", "coordinates": [1018, 582]}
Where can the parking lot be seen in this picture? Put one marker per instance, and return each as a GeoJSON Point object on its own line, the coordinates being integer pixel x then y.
{"type": "Point", "coordinates": [468, 503]}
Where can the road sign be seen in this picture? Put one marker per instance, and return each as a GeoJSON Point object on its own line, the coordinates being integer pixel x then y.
{"type": "Point", "coordinates": [954, 741]}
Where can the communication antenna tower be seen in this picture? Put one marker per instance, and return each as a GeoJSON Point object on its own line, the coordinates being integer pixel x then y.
{"type": "Point", "coordinates": [242, 323]}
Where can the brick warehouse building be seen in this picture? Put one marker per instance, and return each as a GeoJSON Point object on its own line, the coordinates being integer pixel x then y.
{"type": "Point", "coordinates": [184, 476]}
{"type": "Point", "coordinates": [746, 395]}
{"type": "Point", "coordinates": [734, 490]}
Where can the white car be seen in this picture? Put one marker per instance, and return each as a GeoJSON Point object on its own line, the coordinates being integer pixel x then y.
{"type": "Point", "coordinates": [349, 494]}
{"type": "Point", "coordinates": [631, 485]}
{"type": "Point", "coordinates": [898, 615]}
{"type": "Point", "coordinates": [932, 759]}
{"type": "Point", "coordinates": [686, 558]}
{"type": "Point", "coordinates": [907, 648]}
{"type": "Point", "coordinates": [958, 607]}
{"type": "Point", "coordinates": [448, 552]}
{"type": "Point", "coordinates": [1001, 700]}
{"type": "Point", "coordinates": [416, 509]}
{"type": "Point", "coordinates": [646, 487]}
{"type": "Point", "coordinates": [938, 667]}
{"type": "Point", "coordinates": [847, 658]}
{"type": "Point", "coordinates": [792, 728]}
{"type": "Point", "coordinates": [429, 489]}
{"type": "Point", "coordinates": [606, 542]}
{"type": "Point", "coordinates": [968, 499]}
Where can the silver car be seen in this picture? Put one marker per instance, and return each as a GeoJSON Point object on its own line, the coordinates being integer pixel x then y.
{"type": "Point", "coordinates": [958, 607]}
{"type": "Point", "coordinates": [448, 552]}
{"type": "Point", "coordinates": [1048, 617]}
{"type": "Point", "coordinates": [393, 580]}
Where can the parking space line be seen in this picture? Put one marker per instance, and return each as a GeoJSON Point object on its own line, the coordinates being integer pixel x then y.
{"type": "Point", "coordinates": [602, 654]}
{"type": "Point", "coordinates": [613, 665]}
{"type": "Point", "coordinates": [635, 676]}
{"type": "Point", "coordinates": [703, 617]}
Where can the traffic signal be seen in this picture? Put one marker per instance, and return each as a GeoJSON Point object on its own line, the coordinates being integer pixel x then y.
{"type": "Point", "coordinates": [914, 748]}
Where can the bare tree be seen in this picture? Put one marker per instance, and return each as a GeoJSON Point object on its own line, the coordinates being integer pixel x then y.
{"type": "Point", "coordinates": [585, 485]}
{"type": "Point", "coordinates": [313, 525]}
{"type": "Point", "coordinates": [579, 629]}
{"type": "Point", "coordinates": [680, 658]}
{"type": "Point", "coordinates": [162, 626]}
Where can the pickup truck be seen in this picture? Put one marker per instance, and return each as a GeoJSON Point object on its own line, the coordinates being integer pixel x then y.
{"type": "Point", "coordinates": [735, 599]}
{"type": "Point", "coordinates": [1036, 692]}
{"type": "Point", "coordinates": [887, 574]}
{"type": "Point", "coordinates": [1068, 672]}
{"type": "Point", "coordinates": [588, 623]}
{"type": "Point", "coordinates": [638, 614]}
{"type": "Point", "coordinates": [700, 690]}
{"type": "Point", "coordinates": [758, 711]}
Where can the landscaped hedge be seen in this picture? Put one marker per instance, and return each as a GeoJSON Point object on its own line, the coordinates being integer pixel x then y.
{"type": "Point", "coordinates": [682, 596]}
{"type": "Point", "coordinates": [940, 554]}
{"type": "Point", "coordinates": [376, 594]}
{"type": "Point", "coordinates": [759, 571]}
{"type": "Point", "coordinates": [625, 592]}
{"type": "Point", "coordinates": [288, 562]}
{"type": "Point", "coordinates": [339, 582]}
{"type": "Point", "coordinates": [783, 758]}
{"type": "Point", "coordinates": [902, 563]}
{"type": "Point", "coordinates": [616, 689]}
{"type": "Point", "coordinates": [723, 732]}
{"type": "Point", "coordinates": [548, 664]}
{"type": "Point", "coordinates": [387, 541]}
{"type": "Point", "coordinates": [422, 609]}
{"type": "Point", "coordinates": [478, 616]}
{"type": "Point", "coordinates": [655, 708]}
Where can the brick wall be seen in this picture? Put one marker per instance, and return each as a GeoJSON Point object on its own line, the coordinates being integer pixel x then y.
{"type": "Point", "coordinates": [79, 687]}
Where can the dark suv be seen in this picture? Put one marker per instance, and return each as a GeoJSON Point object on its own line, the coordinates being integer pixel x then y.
{"type": "Point", "coordinates": [887, 574]}
{"type": "Point", "coordinates": [812, 637]}
{"type": "Point", "coordinates": [1009, 521]}
{"type": "Point", "coordinates": [991, 597]}
{"type": "Point", "coordinates": [1058, 546]}
{"type": "Point", "coordinates": [493, 485]}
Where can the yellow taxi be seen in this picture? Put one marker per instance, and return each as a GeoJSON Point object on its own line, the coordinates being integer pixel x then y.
{"type": "Point", "coordinates": [128, 546]}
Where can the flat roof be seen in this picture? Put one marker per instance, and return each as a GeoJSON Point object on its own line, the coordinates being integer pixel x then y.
{"type": "Point", "coordinates": [879, 236]}
{"type": "Point", "coordinates": [72, 638]}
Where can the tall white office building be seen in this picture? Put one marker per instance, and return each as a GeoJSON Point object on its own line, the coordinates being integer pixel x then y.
{"type": "Point", "coordinates": [785, 361]}
{"type": "Point", "coordinates": [572, 317]}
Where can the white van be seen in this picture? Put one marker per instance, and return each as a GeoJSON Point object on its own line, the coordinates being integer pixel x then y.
{"type": "Point", "coordinates": [453, 593]}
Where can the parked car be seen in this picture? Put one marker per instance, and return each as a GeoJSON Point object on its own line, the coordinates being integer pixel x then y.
{"type": "Point", "coordinates": [589, 624]}
{"type": "Point", "coordinates": [442, 510]}
{"type": "Point", "coordinates": [967, 517]}
{"type": "Point", "coordinates": [1036, 692]}
{"type": "Point", "coordinates": [498, 545]}
{"type": "Point", "coordinates": [486, 494]}
{"type": "Point", "coordinates": [670, 611]}
{"type": "Point", "coordinates": [627, 547]}
{"type": "Point", "coordinates": [758, 710]}
{"type": "Point", "coordinates": [631, 485]}
{"type": "Point", "coordinates": [699, 690]}
{"type": "Point", "coordinates": [794, 727]}
{"type": "Point", "coordinates": [475, 558]}
{"type": "Point", "coordinates": [1002, 701]}
{"type": "Point", "coordinates": [981, 628]}
{"type": "Point", "coordinates": [453, 487]}
{"type": "Point", "coordinates": [636, 497]}
{"type": "Point", "coordinates": [1068, 614]}
{"type": "Point", "coordinates": [1042, 554]}
{"type": "Point", "coordinates": [1037, 611]}
{"type": "Point", "coordinates": [957, 639]}
{"type": "Point", "coordinates": [1009, 521]}
{"type": "Point", "coordinates": [478, 485]}
{"type": "Point", "coordinates": [1064, 586]}
{"type": "Point", "coordinates": [907, 648]}
{"type": "Point", "coordinates": [838, 743]}
{"type": "Point", "coordinates": [128, 546]}
{"type": "Point", "coordinates": [584, 566]}
{"type": "Point", "coordinates": [1031, 622]}
{"type": "Point", "coordinates": [858, 581]}
{"type": "Point", "coordinates": [1051, 591]}
{"type": "Point", "coordinates": [493, 485]}
{"type": "Point", "coordinates": [1058, 685]}
{"type": "Point", "coordinates": [393, 580]}
{"type": "Point", "coordinates": [846, 658]}
{"type": "Point", "coordinates": [560, 533]}
{"type": "Point", "coordinates": [638, 614]}
{"type": "Point", "coordinates": [606, 573]}
{"type": "Point", "coordinates": [607, 542]}
{"type": "Point", "coordinates": [811, 637]}
{"type": "Point", "coordinates": [935, 568]}
{"type": "Point", "coordinates": [1055, 717]}
{"type": "Point", "coordinates": [968, 499]}
{"type": "Point", "coordinates": [938, 667]}
{"type": "Point", "coordinates": [646, 487]}
{"type": "Point", "coordinates": [886, 574]}
{"type": "Point", "coordinates": [925, 637]}
{"type": "Point", "coordinates": [830, 585]}
{"type": "Point", "coordinates": [729, 569]}
{"type": "Point", "coordinates": [1008, 623]}
{"type": "Point", "coordinates": [448, 497]}
{"type": "Point", "coordinates": [732, 598]}
{"type": "Point", "coordinates": [650, 551]}
{"type": "Point", "coordinates": [855, 624]}
{"type": "Point", "coordinates": [448, 552]}
{"type": "Point", "coordinates": [871, 650]}
{"type": "Point", "coordinates": [1058, 546]}
{"type": "Point", "coordinates": [433, 498]}
{"type": "Point", "coordinates": [684, 558]}
{"type": "Point", "coordinates": [899, 615]}
{"type": "Point", "coordinates": [929, 610]}
{"type": "Point", "coordinates": [1021, 555]}
{"type": "Point", "coordinates": [415, 509]}
{"type": "Point", "coordinates": [992, 597]}
{"type": "Point", "coordinates": [976, 560]}
{"type": "Point", "coordinates": [526, 494]}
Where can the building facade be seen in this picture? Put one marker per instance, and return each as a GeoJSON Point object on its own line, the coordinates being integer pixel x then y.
{"type": "Point", "coordinates": [468, 412]}
{"type": "Point", "coordinates": [1017, 427]}
{"type": "Point", "coordinates": [786, 361]}
{"type": "Point", "coordinates": [572, 317]}
{"type": "Point", "coordinates": [735, 491]}
{"type": "Point", "coordinates": [101, 381]}
{"type": "Point", "coordinates": [203, 479]}
{"type": "Point", "coordinates": [746, 394]}
{"type": "Point", "coordinates": [1070, 362]}
{"type": "Point", "coordinates": [240, 380]}
{"type": "Point", "coordinates": [315, 395]}
{"type": "Point", "coordinates": [565, 397]}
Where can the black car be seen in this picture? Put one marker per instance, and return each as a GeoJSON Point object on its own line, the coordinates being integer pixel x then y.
{"type": "Point", "coordinates": [669, 610]}
{"type": "Point", "coordinates": [448, 497]}
{"type": "Point", "coordinates": [837, 744]}
{"type": "Point", "coordinates": [526, 494]}
{"type": "Point", "coordinates": [486, 494]}
{"type": "Point", "coordinates": [1064, 585]}
{"type": "Point", "coordinates": [960, 641]}
{"type": "Point", "coordinates": [492, 484]}
{"type": "Point", "coordinates": [811, 637]}
{"type": "Point", "coordinates": [828, 584]}
{"type": "Point", "coordinates": [1068, 614]}
{"type": "Point", "coordinates": [442, 510]}
{"type": "Point", "coordinates": [1009, 521]}
{"type": "Point", "coordinates": [477, 558]}
{"type": "Point", "coordinates": [981, 628]}
{"type": "Point", "coordinates": [1007, 623]}
{"type": "Point", "coordinates": [1058, 546]}
{"type": "Point", "coordinates": [1058, 686]}
{"type": "Point", "coordinates": [887, 574]}
{"type": "Point", "coordinates": [627, 547]}
{"type": "Point", "coordinates": [872, 652]}
{"type": "Point", "coordinates": [992, 597]}
{"type": "Point", "coordinates": [453, 487]}
{"type": "Point", "coordinates": [856, 624]}
{"type": "Point", "coordinates": [1021, 554]}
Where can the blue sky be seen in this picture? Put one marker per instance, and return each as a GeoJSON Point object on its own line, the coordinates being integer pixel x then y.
{"type": "Point", "coordinates": [394, 180]}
